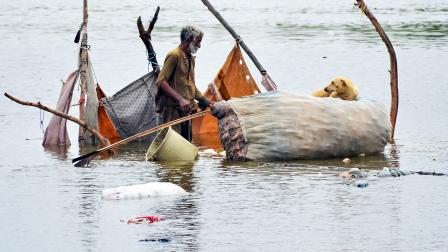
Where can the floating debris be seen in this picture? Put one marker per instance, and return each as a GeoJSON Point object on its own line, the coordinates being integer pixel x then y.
{"type": "Point", "coordinates": [386, 172]}
{"type": "Point", "coordinates": [163, 240]}
{"type": "Point", "coordinates": [152, 189]}
{"type": "Point", "coordinates": [361, 183]}
{"type": "Point", "coordinates": [430, 173]}
{"type": "Point", "coordinates": [144, 219]}
{"type": "Point", "coordinates": [354, 173]}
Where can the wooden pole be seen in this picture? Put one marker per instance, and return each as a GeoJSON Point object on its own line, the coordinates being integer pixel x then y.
{"type": "Point", "coordinates": [85, 14]}
{"type": "Point", "coordinates": [393, 65]}
{"type": "Point", "coordinates": [82, 124]}
{"type": "Point", "coordinates": [145, 35]}
{"type": "Point", "coordinates": [267, 81]}
{"type": "Point", "coordinates": [83, 78]}
{"type": "Point", "coordinates": [83, 73]}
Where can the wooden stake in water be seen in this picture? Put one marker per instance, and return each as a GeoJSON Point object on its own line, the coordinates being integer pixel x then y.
{"type": "Point", "coordinates": [393, 66]}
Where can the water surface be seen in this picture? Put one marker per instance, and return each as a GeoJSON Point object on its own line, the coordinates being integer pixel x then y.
{"type": "Point", "coordinates": [48, 205]}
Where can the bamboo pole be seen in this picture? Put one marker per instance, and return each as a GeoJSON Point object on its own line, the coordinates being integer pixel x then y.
{"type": "Point", "coordinates": [83, 78]}
{"type": "Point", "coordinates": [82, 124]}
{"type": "Point", "coordinates": [85, 14]}
{"type": "Point", "coordinates": [393, 65]}
{"type": "Point", "coordinates": [83, 72]}
{"type": "Point", "coordinates": [267, 81]}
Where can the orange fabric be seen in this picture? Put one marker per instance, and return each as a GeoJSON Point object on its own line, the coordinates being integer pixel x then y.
{"type": "Point", "coordinates": [105, 125]}
{"type": "Point", "coordinates": [233, 80]}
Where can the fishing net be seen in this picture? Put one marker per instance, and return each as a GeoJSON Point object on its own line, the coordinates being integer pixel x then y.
{"type": "Point", "coordinates": [133, 108]}
{"type": "Point", "coordinates": [286, 126]}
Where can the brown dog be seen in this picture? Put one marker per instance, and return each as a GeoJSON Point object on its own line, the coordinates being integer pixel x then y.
{"type": "Point", "coordinates": [340, 87]}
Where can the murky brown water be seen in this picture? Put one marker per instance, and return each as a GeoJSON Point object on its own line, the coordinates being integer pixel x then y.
{"type": "Point", "coordinates": [48, 205]}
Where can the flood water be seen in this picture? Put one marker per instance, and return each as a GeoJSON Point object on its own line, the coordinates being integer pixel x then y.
{"type": "Point", "coordinates": [46, 204]}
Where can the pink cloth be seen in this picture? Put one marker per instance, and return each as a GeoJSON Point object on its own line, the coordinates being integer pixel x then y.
{"type": "Point", "coordinates": [56, 131]}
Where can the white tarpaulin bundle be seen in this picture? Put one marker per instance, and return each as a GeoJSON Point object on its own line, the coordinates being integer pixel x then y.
{"type": "Point", "coordinates": [286, 126]}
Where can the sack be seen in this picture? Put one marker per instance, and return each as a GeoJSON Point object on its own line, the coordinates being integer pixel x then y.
{"type": "Point", "coordinates": [287, 126]}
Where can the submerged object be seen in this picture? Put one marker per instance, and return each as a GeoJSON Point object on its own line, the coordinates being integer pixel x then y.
{"type": "Point", "coordinates": [152, 189]}
{"type": "Point", "coordinates": [346, 160]}
{"type": "Point", "coordinates": [145, 219]}
{"type": "Point", "coordinates": [386, 172]}
{"type": "Point", "coordinates": [361, 183]}
{"type": "Point", "coordinates": [288, 126]}
{"type": "Point", "coordinates": [354, 173]}
{"type": "Point", "coordinates": [171, 146]}
{"type": "Point", "coordinates": [162, 240]}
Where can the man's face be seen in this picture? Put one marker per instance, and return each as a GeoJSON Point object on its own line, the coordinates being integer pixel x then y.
{"type": "Point", "coordinates": [195, 44]}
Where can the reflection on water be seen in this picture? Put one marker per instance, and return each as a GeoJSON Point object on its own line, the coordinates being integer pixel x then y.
{"type": "Point", "coordinates": [57, 151]}
{"type": "Point", "coordinates": [179, 173]}
{"type": "Point", "coordinates": [208, 140]}
{"type": "Point", "coordinates": [394, 156]}
{"type": "Point", "coordinates": [88, 209]}
{"type": "Point", "coordinates": [186, 210]}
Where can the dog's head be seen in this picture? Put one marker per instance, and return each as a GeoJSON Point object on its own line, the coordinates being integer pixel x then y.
{"type": "Point", "coordinates": [338, 84]}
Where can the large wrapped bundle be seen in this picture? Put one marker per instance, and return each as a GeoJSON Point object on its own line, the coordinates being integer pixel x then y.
{"type": "Point", "coordinates": [285, 126]}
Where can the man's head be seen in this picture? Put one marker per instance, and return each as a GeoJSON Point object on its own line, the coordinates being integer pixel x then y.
{"type": "Point", "coordinates": [191, 36]}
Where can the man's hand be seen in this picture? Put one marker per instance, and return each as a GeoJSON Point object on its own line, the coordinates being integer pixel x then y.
{"type": "Point", "coordinates": [205, 103]}
{"type": "Point", "coordinates": [184, 106]}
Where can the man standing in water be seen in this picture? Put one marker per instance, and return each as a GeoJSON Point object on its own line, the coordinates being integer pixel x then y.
{"type": "Point", "coordinates": [176, 84]}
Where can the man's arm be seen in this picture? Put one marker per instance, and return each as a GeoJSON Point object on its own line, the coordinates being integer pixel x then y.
{"type": "Point", "coordinates": [183, 104]}
{"type": "Point", "coordinates": [167, 73]}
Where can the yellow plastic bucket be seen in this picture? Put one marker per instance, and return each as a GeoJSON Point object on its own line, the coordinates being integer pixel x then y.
{"type": "Point", "coordinates": [171, 146]}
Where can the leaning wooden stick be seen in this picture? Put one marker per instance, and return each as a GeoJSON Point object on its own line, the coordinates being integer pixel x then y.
{"type": "Point", "coordinates": [393, 65]}
{"type": "Point", "coordinates": [267, 82]}
{"type": "Point", "coordinates": [85, 159]}
{"type": "Point", "coordinates": [145, 35]}
{"type": "Point", "coordinates": [103, 140]}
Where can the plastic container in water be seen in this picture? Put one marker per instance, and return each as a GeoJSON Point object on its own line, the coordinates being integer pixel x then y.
{"type": "Point", "coordinates": [169, 145]}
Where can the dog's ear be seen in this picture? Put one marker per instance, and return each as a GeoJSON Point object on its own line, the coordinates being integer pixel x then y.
{"type": "Point", "coordinates": [343, 82]}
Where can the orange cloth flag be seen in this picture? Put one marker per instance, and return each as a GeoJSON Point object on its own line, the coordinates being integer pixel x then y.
{"type": "Point", "coordinates": [233, 80]}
